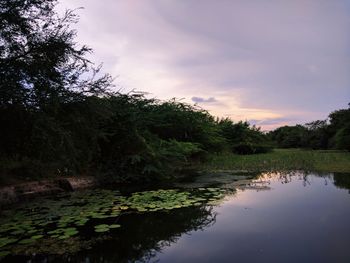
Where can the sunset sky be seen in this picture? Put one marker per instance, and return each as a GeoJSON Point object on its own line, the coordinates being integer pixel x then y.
{"type": "Point", "coordinates": [271, 63]}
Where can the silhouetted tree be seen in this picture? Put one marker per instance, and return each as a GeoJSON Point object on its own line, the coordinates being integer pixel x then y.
{"type": "Point", "coordinates": [289, 136]}
{"type": "Point", "coordinates": [45, 78]}
{"type": "Point", "coordinates": [317, 135]}
{"type": "Point", "coordinates": [333, 133]}
{"type": "Point", "coordinates": [339, 128]}
{"type": "Point", "coordinates": [243, 138]}
{"type": "Point", "coordinates": [40, 64]}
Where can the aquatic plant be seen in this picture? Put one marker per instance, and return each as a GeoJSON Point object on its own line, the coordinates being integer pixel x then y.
{"type": "Point", "coordinates": [67, 216]}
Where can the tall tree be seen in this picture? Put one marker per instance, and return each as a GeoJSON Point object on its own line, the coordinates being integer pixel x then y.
{"type": "Point", "coordinates": [40, 64]}
{"type": "Point", "coordinates": [340, 128]}
{"type": "Point", "coordinates": [46, 85]}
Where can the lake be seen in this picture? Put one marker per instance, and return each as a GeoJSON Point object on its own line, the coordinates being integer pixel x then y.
{"type": "Point", "coordinates": [272, 217]}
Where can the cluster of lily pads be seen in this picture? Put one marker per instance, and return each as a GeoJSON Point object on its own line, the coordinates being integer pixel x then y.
{"type": "Point", "coordinates": [104, 227]}
{"type": "Point", "coordinates": [64, 218]}
{"type": "Point", "coordinates": [168, 199]}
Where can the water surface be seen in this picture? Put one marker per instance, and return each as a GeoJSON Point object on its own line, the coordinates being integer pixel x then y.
{"type": "Point", "coordinates": [293, 219]}
{"type": "Point", "coordinates": [276, 218]}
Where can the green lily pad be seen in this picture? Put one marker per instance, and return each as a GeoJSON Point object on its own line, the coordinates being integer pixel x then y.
{"type": "Point", "coordinates": [114, 226]}
{"type": "Point", "coordinates": [59, 218]}
{"type": "Point", "coordinates": [101, 226]}
{"type": "Point", "coordinates": [18, 232]}
{"type": "Point", "coordinates": [63, 237]}
{"type": "Point", "coordinates": [5, 241]}
{"type": "Point", "coordinates": [37, 236]}
{"type": "Point", "coordinates": [101, 230]}
{"type": "Point", "coordinates": [26, 241]}
{"type": "Point", "coordinates": [72, 233]}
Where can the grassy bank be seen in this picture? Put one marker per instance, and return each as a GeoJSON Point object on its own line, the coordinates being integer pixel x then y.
{"type": "Point", "coordinates": [282, 159]}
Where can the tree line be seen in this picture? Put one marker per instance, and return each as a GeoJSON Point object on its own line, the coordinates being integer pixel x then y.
{"type": "Point", "coordinates": [60, 116]}
{"type": "Point", "coordinates": [332, 133]}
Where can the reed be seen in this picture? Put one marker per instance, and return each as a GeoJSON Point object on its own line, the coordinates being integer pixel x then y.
{"type": "Point", "coordinates": [282, 159]}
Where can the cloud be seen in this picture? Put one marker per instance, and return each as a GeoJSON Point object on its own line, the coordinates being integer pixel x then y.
{"type": "Point", "coordinates": [203, 100]}
{"type": "Point", "coordinates": [260, 59]}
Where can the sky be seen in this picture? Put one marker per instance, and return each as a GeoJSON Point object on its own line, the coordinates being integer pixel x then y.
{"type": "Point", "coordinates": [271, 63]}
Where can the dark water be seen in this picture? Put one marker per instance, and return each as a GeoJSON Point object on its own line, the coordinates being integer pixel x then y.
{"type": "Point", "coordinates": [289, 218]}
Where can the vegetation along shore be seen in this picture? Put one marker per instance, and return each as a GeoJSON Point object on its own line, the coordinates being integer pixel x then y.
{"type": "Point", "coordinates": [57, 122]}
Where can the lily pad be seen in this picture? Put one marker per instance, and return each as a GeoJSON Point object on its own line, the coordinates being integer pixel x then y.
{"type": "Point", "coordinates": [37, 237]}
{"type": "Point", "coordinates": [114, 226]}
{"type": "Point", "coordinates": [58, 219]}
{"type": "Point", "coordinates": [5, 241]}
{"type": "Point", "coordinates": [26, 241]}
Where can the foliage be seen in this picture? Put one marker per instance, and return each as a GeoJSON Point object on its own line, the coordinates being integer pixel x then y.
{"type": "Point", "coordinates": [342, 138]}
{"type": "Point", "coordinates": [281, 160]}
{"type": "Point", "coordinates": [183, 122]}
{"type": "Point", "coordinates": [59, 118]}
{"type": "Point", "coordinates": [45, 83]}
{"type": "Point", "coordinates": [333, 133]}
{"type": "Point", "coordinates": [289, 136]}
{"type": "Point", "coordinates": [41, 66]}
{"type": "Point", "coordinates": [143, 138]}
{"type": "Point", "coordinates": [339, 128]}
{"type": "Point", "coordinates": [243, 139]}
{"type": "Point", "coordinates": [69, 217]}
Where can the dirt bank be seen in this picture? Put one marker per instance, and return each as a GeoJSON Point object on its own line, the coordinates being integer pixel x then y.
{"type": "Point", "coordinates": [24, 191]}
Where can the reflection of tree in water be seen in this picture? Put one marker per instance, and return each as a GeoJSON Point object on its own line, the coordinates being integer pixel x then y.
{"type": "Point", "coordinates": [281, 176]}
{"type": "Point", "coordinates": [284, 177]}
{"type": "Point", "coordinates": [143, 235]}
{"type": "Point", "coordinates": [342, 180]}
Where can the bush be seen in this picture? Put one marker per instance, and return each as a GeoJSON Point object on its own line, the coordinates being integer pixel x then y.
{"type": "Point", "coordinates": [241, 138]}
{"type": "Point", "coordinates": [244, 148]}
{"type": "Point", "coordinates": [342, 139]}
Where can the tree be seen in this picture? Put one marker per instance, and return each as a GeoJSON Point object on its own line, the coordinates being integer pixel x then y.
{"type": "Point", "coordinates": [43, 73]}
{"type": "Point", "coordinates": [242, 138]}
{"type": "Point", "coordinates": [317, 134]}
{"type": "Point", "coordinates": [339, 128]}
{"type": "Point", "coordinates": [40, 64]}
{"type": "Point", "coordinates": [289, 136]}
{"type": "Point", "coordinates": [333, 133]}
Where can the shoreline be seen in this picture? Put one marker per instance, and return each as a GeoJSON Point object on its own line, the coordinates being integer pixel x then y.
{"type": "Point", "coordinates": [29, 190]}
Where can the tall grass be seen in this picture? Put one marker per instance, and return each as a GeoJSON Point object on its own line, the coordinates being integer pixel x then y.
{"type": "Point", "coordinates": [281, 159]}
